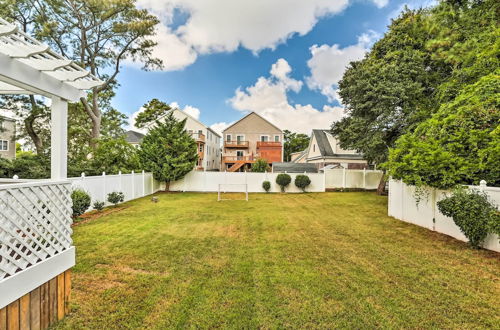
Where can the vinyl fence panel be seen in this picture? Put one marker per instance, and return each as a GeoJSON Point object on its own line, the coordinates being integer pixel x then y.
{"type": "Point", "coordinates": [404, 205]}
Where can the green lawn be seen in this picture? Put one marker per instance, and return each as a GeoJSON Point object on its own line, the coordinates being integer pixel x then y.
{"type": "Point", "coordinates": [280, 260]}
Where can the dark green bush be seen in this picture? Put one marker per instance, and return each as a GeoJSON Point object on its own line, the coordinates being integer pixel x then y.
{"type": "Point", "coordinates": [283, 180]}
{"type": "Point", "coordinates": [98, 205]}
{"type": "Point", "coordinates": [266, 185]}
{"type": "Point", "coordinates": [81, 202]}
{"type": "Point", "coordinates": [472, 212]}
{"type": "Point", "coordinates": [116, 197]}
{"type": "Point", "coordinates": [260, 165]}
{"type": "Point", "coordinates": [302, 181]}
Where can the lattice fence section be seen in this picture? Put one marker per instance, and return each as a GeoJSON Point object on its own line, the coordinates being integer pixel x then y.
{"type": "Point", "coordinates": [35, 224]}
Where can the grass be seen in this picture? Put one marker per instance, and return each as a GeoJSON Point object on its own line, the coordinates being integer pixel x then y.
{"type": "Point", "coordinates": [330, 260]}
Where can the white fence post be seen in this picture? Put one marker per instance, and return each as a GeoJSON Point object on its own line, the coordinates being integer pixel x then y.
{"type": "Point", "coordinates": [104, 186]}
{"type": "Point", "coordinates": [364, 178]}
{"type": "Point", "coordinates": [143, 184]}
{"type": "Point", "coordinates": [482, 185]}
{"type": "Point", "coordinates": [120, 179]}
{"type": "Point", "coordinates": [344, 178]}
{"type": "Point", "coordinates": [133, 185]}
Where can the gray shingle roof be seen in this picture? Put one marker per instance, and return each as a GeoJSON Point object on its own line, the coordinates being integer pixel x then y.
{"type": "Point", "coordinates": [133, 137]}
{"type": "Point", "coordinates": [295, 167]}
{"type": "Point", "coordinates": [326, 149]}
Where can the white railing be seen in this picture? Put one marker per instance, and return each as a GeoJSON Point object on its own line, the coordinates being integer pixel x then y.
{"type": "Point", "coordinates": [35, 234]}
{"type": "Point", "coordinates": [403, 205]}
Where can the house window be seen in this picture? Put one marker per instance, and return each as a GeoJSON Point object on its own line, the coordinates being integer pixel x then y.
{"type": "Point", "coordinates": [264, 138]}
{"type": "Point", "coordinates": [201, 147]}
{"type": "Point", "coordinates": [4, 145]}
{"type": "Point", "coordinates": [228, 138]}
{"type": "Point", "coordinates": [240, 138]}
{"type": "Point", "coordinates": [276, 138]}
{"type": "Point", "coordinates": [314, 147]}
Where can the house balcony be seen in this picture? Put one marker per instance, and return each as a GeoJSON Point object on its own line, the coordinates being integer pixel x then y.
{"type": "Point", "coordinates": [239, 159]}
{"type": "Point", "coordinates": [236, 144]}
{"type": "Point", "coordinates": [268, 144]}
{"type": "Point", "coordinates": [198, 137]}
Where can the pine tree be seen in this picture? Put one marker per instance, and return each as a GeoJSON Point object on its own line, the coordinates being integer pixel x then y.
{"type": "Point", "coordinates": [168, 151]}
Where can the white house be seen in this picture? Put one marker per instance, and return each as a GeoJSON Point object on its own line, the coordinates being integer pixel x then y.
{"type": "Point", "coordinates": [324, 150]}
{"type": "Point", "coordinates": [208, 141]}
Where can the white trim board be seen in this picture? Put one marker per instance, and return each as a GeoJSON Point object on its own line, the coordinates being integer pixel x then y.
{"type": "Point", "coordinates": [19, 284]}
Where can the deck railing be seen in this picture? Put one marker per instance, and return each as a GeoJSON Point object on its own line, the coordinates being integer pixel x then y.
{"type": "Point", "coordinates": [236, 144]}
{"type": "Point", "coordinates": [268, 144]}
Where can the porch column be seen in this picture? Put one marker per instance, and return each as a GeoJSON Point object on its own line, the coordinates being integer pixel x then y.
{"type": "Point", "coordinates": [59, 139]}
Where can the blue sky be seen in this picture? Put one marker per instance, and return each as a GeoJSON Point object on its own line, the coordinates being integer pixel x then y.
{"type": "Point", "coordinates": [205, 70]}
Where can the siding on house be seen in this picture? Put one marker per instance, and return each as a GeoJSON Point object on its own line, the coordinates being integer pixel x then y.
{"type": "Point", "coordinates": [7, 137]}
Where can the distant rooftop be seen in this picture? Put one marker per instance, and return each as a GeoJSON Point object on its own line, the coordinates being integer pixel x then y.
{"type": "Point", "coordinates": [295, 167]}
{"type": "Point", "coordinates": [133, 137]}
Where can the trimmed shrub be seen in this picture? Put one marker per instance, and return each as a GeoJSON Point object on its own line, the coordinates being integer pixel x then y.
{"type": "Point", "coordinates": [283, 180]}
{"type": "Point", "coordinates": [116, 197]}
{"type": "Point", "coordinates": [81, 202]}
{"type": "Point", "coordinates": [472, 212]}
{"type": "Point", "coordinates": [98, 205]}
{"type": "Point", "coordinates": [302, 181]}
{"type": "Point", "coordinates": [266, 185]}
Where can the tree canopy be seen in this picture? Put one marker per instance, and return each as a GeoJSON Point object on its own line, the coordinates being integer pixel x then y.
{"type": "Point", "coordinates": [168, 151]}
{"type": "Point", "coordinates": [293, 142]}
{"type": "Point", "coordinates": [435, 68]}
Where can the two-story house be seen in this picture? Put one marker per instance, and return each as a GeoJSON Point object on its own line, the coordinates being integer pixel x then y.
{"type": "Point", "coordinates": [324, 150]}
{"type": "Point", "coordinates": [207, 140]}
{"type": "Point", "coordinates": [7, 137]}
{"type": "Point", "coordinates": [249, 139]}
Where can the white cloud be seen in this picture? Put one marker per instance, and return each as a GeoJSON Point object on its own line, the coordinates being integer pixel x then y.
{"type": "Point", "coordinates": [328, 63]}
{"type": "Point", "coordinates": [381, 3]}
{"type": "Point", "coordinates": [224, 25]}
{"type": "Point", "coordinates": [220, 126]}
{"type": "Point", "coordinates": [268, 97]}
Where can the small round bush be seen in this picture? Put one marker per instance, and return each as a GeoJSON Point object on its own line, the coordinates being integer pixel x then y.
{"type": "Point", "coordinates": [98, 205]}
{"type": "Point", "coordinates": [302, 181]}
{"type": "Point", "coordinates": [472, 212]}
{"type": "Point", "coordinates": [283, 180]}
{"type": "Point", "coordinates": [116, 197]}
{"type": "Point", "coordinates": [81, 202]}
{"type": "Point", "coordinates": [266, 185]}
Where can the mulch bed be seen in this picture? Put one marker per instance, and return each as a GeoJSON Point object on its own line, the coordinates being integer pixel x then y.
{"type": "Point", "coordinates": [93, 215]}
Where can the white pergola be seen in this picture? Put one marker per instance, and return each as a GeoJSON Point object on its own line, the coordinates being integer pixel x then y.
{"type": "Point", "coordinates": [29, 67]}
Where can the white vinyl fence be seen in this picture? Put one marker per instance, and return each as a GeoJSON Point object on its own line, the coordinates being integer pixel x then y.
{"type": "Point", "coordinates": [403, 206]}
{"type": "Point", "coordinates": [133, 185]}
{"type": "Point", "coordinates": [209, 182]}
{"type": "Point", "coordinates": [359, 179]}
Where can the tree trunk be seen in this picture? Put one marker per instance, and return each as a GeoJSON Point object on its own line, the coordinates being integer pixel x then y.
{"type": "Point", "coordinates": [29, 123]}
{"type": "Point", "coordinates": [381, 185]}
{"type": "Point", "coordinates": [167, 185]}
{"type": "Point", "coordinates": [37, 141]}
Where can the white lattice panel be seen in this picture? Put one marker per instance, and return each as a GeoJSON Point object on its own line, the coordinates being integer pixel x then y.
{"type": "Point", "coordinates": [35, 224]}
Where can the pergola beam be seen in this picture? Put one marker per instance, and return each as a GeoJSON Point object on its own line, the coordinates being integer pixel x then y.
{"type": "Point", "coordinates": [21, 75]}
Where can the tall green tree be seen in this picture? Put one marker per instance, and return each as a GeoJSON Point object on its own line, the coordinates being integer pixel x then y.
{"type": "Point", "coordinates": [97, 34]}
{"type": "Point", "coordinates": [168, 151]}
{"type": "Point", "coordinates": [153, 111]}
{"type": "Point", "coordinates": [293, 142]}
{"type": "Point", "coordinates": [424, 61]}
{"type": "Point", "coordinates": [460, 144]}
